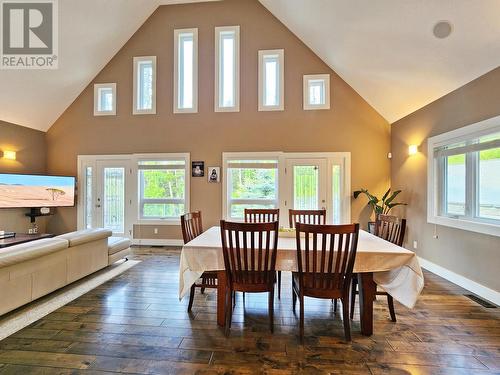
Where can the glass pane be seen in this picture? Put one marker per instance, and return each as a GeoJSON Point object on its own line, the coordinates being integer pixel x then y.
{"type": "Point", "coordinates": [105, 102]}
{"type": "Point", "coordinates": [305, 187]}
{"type": "Point", "coordinates": [271, 80]}
{"type": "Point", "coordinates": [162, 162]}
{"type": "Point", "coordinates": [336, 193]}
{"type": "Point", "coordinates": [186, 69]}
{"type": "Point", "coordinates": [227, 70]}
{"type": "Point", "coordinates": [114, 199]}
{"type": "Point", "coordinates": [489, 183]}
{"type": "Point", "coordinates": [455, 185]}
{"type": "Point", "coordinates": [145, 85]}
{"type": "Point", "coordinates": [252, 183]}
{"type": "Point", "coordinates": [238, 210]}
{"type": "Point", "coordinates": [316, 92]}
{"type": "Point", "coordinates": [88, 198]}
{"type": "Point", "coordinates": [162, 210]}
{"type": "Point", "coordinates": [162, 183]}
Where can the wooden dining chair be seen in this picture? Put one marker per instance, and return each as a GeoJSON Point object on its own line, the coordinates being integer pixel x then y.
{"type": "Point", "coordinates": [306, 217]}
{"type": "Point", "coordinates": [264, 215]}
{"type": "Point", "coordinates": [325, 260]}
{"type": "Point", "coordinates": [192, 227]}
{"type": "Point", "coordinates": [392, 229]}
{"type": "Point", "coordinates": [249, 251]}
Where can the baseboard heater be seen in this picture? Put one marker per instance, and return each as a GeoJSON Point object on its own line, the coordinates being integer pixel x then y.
{"type": "Point", "coordinates": [481, 301]}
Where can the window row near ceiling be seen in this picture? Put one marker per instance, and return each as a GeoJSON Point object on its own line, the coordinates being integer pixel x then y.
{"type": "Point", "coordinates": [271, 82]}
{"type": "Point", "coordinates": [464, 178]}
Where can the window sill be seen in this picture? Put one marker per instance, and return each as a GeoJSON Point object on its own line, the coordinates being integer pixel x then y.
{"type": "Point", "coordinates": [158, 222]}
{"type": "Point", "coordinates": [469, 225]}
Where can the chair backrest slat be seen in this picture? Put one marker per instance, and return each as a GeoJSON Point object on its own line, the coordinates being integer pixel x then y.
{"type": "Point", "coordinates": [316, 244]}
{"type": "Point", "coordinates": [262, 215]}
{"type": "Point", "coordinates": [317, 217]}
{"type": "Point", "coordinates": [191, 226]}
{"type": "Point", "coordinates": [390, 228]}
{"type": "Point", "coordinates": [249, 251]}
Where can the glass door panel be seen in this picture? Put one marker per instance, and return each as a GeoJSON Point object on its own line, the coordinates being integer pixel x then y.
{"type": "Point", "coordinates": [306, 187]}
{"type": "Point", "coordinates": [113, 201]}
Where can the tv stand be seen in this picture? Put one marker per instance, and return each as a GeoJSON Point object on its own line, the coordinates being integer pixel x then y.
{"type": "Point", "coordinates": [22, 238]}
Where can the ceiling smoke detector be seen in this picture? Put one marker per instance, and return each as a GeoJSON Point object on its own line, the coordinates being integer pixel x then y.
{"type": "Point", "coordinates": [442, 29]}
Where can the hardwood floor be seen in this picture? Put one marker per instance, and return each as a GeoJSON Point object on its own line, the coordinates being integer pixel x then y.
{"type": "Point", "coordinates": [136, 324]}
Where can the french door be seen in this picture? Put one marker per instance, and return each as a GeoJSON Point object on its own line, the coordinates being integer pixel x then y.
{"type": "Point", "coordinates": [105, 195]}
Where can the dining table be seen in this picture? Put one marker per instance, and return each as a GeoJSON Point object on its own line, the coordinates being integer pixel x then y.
{"type": "Point", "coordinates": [378, 263]}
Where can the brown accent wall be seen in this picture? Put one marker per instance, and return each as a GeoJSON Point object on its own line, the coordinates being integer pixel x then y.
{"type": "Point", "coordinates": [350, 125]}
{"type": "Point", "coordinates": [31, 155]}
{"type": "Point", "coordinates": [473, 255]}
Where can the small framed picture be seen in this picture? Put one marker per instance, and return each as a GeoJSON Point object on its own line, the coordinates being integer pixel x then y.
{"type": "Point", "coordinates": [198, 169]}
{"type": "Point", "coordinates": [213, 174]}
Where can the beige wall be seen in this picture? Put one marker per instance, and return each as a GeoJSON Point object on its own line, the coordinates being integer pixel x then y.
{"type": "Point", "coordinates": [473, 255]}
{"type": "Point", "coordinates": [30, 147]}
{"type": "Point", "coordinates": [351, 124]}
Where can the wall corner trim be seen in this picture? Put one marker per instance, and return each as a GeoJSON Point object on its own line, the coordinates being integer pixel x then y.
{"type": "Point", "coordinates": [157, 242]}
{"type": "Point", "coordinates": [482, 291]}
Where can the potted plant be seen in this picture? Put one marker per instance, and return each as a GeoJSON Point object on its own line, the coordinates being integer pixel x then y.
{"type": "Point", "coordinates": [380, 206]}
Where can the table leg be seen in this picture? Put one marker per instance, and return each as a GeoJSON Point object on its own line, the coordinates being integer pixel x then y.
{"type": "Point", "coordinates": [221, 294]}
{"type": "Point", "coordinates": [367, 289]}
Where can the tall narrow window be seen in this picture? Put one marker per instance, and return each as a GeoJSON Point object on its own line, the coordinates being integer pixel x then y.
{"type": "Point", "coordinates": [186, 71]}
{"type": "Point", "coordinates": [271, 82]}
{"type": "Point", "coordinates": [144, 85]}
{"type": "Point", "coordinates": [105, 99]}
{"type": "Point", "coordinates": [227, 69]}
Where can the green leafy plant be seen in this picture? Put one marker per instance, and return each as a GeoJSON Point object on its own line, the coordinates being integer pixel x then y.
{"type": "Point", "coordinates": [381, 206]}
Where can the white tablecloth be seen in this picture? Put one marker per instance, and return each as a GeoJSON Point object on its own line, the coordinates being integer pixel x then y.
{"type": "Point", "coordinates": [395, 269]}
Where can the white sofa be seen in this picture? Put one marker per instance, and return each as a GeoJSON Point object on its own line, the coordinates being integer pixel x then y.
{"type": "Point", "coordinates": [31, 270]}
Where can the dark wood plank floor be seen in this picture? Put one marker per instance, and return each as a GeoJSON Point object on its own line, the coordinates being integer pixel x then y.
{"type": "Point", "coordinates": [135, 324]}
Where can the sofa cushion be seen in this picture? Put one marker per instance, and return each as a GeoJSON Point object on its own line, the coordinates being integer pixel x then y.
{"type": "Point", "coordinates": [31, 250]}
{"type": "Point", "coordinates": [116, 244]}
{"type": "Point", "coordinates": [83, 236]}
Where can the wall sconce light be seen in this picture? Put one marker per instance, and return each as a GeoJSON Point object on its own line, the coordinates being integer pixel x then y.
{"type": "Point", "coordinates": [9, 155]}
{"type": "Point", "coordinates": [412, 150]}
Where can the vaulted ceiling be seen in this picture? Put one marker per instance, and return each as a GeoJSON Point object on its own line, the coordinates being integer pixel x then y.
{"type": "Point", "coordinates": [384, 49]}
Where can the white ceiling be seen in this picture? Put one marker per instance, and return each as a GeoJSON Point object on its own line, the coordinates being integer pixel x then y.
{"type": "Point", "coordinates": [384, 49]}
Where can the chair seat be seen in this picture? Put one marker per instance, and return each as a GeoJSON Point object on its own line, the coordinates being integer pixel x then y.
{"type": "Point", "coordinates": [314, 284]}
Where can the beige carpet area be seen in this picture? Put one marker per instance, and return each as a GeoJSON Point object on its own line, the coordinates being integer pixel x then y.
{"type": "Point", "coordinates": [24, 316]}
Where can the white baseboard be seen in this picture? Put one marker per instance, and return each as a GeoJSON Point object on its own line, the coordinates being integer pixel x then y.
{"type": "Point", "coordinates": [482, 291]}
{"type": "Point", "coordinates": [157, 242]}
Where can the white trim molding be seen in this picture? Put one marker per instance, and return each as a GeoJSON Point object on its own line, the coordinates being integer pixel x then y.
{"type": "Point", "coordinates": [472, 286]}
{"type": "Point", "coordinates": [178, 34]}
{"type": "Point", "coordinates": [277, 55]}
{"type": "Point", "coordinates": [97, 99]}
{"type": "Point", "coordinates": [325, 78]}
{"type": "Point", "coordinates": [156, 242]}
{"type": "Point", "coordinates": [219, 32]}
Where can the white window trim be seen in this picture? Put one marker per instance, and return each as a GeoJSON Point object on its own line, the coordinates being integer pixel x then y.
{"type": "Point", "coordinates": [135, 109]}
{"type": "Point", "coordinates": [194, 109]}
{"type": "Point", "coordinates": [333, 158]}
{"type": "Point", "coordinates": [281, 57]}
{"type": "Point", "coordinates": [306, 79]}
{"type": "Point", "coordinates": [218, 31]}
{"type": "Point", "coordinates": [98, 86]}
{"type": "Point", "coordinates": [479, 129]}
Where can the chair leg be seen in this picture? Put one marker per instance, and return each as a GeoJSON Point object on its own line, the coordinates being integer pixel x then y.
{"type": "Point", "coordinates": [228, 311]}
{"type": "Point", "coordinates": [301, 324]}
{"type": "Point", "coordinates": [354, 287]}
{"type": "Point", "coordinates": [271, 310]}
{"type": "Point", "coordinates": [233, 294]}
{"type": "Point", "coordinates": [191, 297]}
{"type": "Point", "coordinates": [345, 318]}
{"type": "Point", "coordinates": [243, 299]}
{"type": "Point", "coordinates": [294, 298]}
{"type": "Point", "coordinates": [335, 305]}
{"type": "Point", "coordinates": [279, 284]}
{"type": "Point", "coordinates": [390, 302]}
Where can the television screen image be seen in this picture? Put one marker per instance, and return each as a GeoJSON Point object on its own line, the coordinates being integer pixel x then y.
{"type": "Point", "coordinates": [33, 191]}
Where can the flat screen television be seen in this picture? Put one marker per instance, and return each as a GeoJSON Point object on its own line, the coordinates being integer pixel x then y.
{"type": "Point", "coordinates": [34, 191]}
